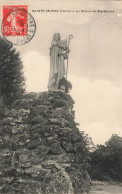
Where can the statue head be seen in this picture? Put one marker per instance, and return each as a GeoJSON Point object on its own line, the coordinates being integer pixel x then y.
{"type": "Point", "coordinates": [56, 36]}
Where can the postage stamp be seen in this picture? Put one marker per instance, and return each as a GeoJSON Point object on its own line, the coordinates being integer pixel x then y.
{"type": "Point", "coordinates": [18, 25]}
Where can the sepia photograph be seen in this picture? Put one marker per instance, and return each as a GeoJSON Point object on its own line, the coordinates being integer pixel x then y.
{"type": "Point", "coordinates": [60, 97]}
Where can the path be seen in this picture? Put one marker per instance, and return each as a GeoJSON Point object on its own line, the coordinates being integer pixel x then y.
{"type": "Point", "coordinates": [105, 188]}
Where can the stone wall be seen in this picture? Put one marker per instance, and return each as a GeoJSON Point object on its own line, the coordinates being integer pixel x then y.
{"type": "Point", "coordinates": [41, 148]}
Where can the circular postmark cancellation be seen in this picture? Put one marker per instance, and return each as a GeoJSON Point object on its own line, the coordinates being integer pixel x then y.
{"type": "Point", "coordinates": [18, 26]}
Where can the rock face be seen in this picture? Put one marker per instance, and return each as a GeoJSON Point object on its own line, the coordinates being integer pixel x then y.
{"type": "Point", "coordinates": [41, 149]}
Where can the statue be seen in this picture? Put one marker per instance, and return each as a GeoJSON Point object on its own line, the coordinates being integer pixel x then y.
{"type": "Point", "coordinates": [58, 53]}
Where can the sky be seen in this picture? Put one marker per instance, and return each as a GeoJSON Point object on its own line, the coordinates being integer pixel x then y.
{"type": "Point", "coordinates": [95, 60]}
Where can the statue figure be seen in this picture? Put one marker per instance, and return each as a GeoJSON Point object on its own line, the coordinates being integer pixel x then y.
{"type": "Point", "coordinates": [58, 53]}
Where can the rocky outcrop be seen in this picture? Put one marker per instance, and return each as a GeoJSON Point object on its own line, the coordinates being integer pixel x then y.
{"type": "Point", "coordinates": [41, 148]}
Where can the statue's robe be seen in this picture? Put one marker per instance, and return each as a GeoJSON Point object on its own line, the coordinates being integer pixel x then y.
{"type": "Point", "coordinates": [61, 64]}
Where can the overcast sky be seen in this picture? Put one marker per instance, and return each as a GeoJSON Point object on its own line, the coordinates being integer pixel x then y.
{"type": "Point", "coordinates": [95, 61]}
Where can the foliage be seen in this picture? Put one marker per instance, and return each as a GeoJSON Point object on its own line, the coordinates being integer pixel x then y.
{"type": "Point", "coordinates": [11, 75]}
{"type": "Point", "coordinates": [66, 83]}
{"type": "Point", "coordinates": [88, 148]}
{"type": "Point", "coordinates": [106, 160]}
{"type": "Point", "coordinates": [88, 141]}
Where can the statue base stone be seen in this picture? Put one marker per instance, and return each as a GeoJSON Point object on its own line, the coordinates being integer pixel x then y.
{"type": "Point", "coordinates": [41, 149]}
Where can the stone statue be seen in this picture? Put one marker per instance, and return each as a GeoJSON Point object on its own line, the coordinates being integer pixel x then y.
{"type": "Point", "coordinates": [58, 53]}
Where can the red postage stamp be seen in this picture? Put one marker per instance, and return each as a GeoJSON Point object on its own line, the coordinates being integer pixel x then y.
{"type": "Point", "coordinates": [15, 20]}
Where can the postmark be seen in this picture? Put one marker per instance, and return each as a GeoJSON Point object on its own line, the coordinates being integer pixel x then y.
{"type": "Point", "coordinates": [18, 24]}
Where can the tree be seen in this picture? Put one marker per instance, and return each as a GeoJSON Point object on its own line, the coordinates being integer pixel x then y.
{"type": "Point", "coordinates": [106, 160]}
{"type": "Point", "coordinates": [88, 141]}
{"type": "Point", "coordinates": [98, 161]}
{"type": "Point", "coordinates": [114, 153]}
{"type": "Point", "coordinates": [11, 75]}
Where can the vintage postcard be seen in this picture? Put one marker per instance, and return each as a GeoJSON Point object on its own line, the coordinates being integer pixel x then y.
{"type": "Point", "coordinates": [60, 96]}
